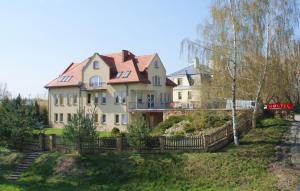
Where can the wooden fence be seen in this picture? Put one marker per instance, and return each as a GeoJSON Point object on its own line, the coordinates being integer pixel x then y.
{"type": "Point", "coordinates": [211, 141]}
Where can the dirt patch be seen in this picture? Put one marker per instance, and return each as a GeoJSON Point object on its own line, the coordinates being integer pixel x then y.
{"type": "Point", "coordinates": [288, 178]}
{"type": "Point", "coordinates": [65, 166]}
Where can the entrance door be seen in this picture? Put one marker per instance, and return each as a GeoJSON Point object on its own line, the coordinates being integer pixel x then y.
{"type": "Point", "coordinates": [150, 99]}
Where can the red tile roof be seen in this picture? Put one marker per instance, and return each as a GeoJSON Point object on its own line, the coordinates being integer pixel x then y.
{"type": "Point", "coordinates": [123, 61]}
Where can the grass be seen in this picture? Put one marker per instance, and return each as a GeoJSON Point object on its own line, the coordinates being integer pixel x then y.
{"type": "Point", "coordinates": [234, 168]}
{"type": "Point", "coordinates": [59, 132]}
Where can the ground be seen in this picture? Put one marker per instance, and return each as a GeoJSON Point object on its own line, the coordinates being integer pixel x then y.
{"type": "Point", "coordinates": [59, 132]}
{"type": "Point", "coordinates": [249, 166]}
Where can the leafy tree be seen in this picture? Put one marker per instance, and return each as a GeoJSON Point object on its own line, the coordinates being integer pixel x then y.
{"type": "Point", "coordinates": [81, 129]}
{"type": "Point", "coordinates": [18, 118]}
{"type": "Point", "coordinates": [138, 130]}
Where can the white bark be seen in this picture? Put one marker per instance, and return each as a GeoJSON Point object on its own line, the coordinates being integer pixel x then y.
{"type": "Point", "coordinates": [233, 90]}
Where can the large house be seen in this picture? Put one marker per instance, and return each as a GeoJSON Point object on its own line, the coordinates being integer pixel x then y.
{"type": "Point", "coordinates": [113, 87]}
{"type": "Point", "coordinates": [187, 93]}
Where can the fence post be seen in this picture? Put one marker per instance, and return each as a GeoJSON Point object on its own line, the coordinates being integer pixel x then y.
{"type": "Point", "coordinates": [52, 139]}
{"type": "Point", "coordinates": [206, 142]}
{"type": "Point", "coordinates": [42, 141]}
{"type": "Point", "coordinates": [119, 144]}
{"type": "Point", "coordinates": [162, 143]}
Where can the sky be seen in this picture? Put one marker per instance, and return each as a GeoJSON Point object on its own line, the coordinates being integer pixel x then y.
{"type": "Point", "coordinates": [39, 38]}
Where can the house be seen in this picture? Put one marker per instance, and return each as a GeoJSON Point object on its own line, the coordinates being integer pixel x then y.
{"type": "Point", "coordinates": [187, 93]}
{"type": "Point", "coordinates": [115, 86]}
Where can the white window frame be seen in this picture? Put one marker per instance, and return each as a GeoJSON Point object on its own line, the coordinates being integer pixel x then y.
{"type": "Point", "coordinates": [103, 116]}
{"type": "Point", "coordinates": [56, 117]}
{"type": "Point", "coordinates": [96, 67]}
{"type": "Point", "coordinates": [103, 97]}
{"type": "Point", "coordinates": [124, 119]}
{"type": "Point", "coordinates": [61, 117]}
{"type": "Point", "coordinates": [117, 116]}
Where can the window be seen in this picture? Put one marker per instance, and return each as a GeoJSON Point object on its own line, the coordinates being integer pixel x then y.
{"type": "Point", "coordinates": [95, 81]}
{"type": "Point", "coordinates": [103, 120]}
{"type": "Point", "coordinates": [56, 117]}
{"type": "Point", "coordinates": [139, 98]}
{"type": "Point", "coordinates": [123, 94]}
{"type": "Point", "coordinates": [96, 118]}
{"type": "Point", "coordinates": [126, 74]}
{"type": "Point", "coordinates": [119, 74]}
{"type": "Point", "coordinates": [117, 119]}
{"type": "Point", "coordinates": [61, 117]}
{"type": "Point", "coordinates": [103, 98]}
{"type": "Point", "coordinates": [124, 119]}
{"type": "Point", "coordinates": [156, 80]}
{"type": "Point", "coordinates": [69, 97]}
{"type": "Point", "coordinates": [69, 117]}
{"type": "Point", "coordinates": [156, 64]}
{"type": "Point", "coordinates": [165, 97]}
{"type": "Point", "coordinates": [61, 99]}
{"type": "Point", "coordinates": [161, 98]}
{"type": "Point", "coordinates": [89, 97]}
{"type": "Point", "coordinates": [56, 99]}
{"type": "Point", "coordinates": [96, 65]}
{"type": "Point", "coordinates": [65, 78]}
{"type": "Point", "coordinates": [75, 99]}
{"type": "Point", "coordinates": [179, 95]}
{"type": "Point", "coordinates": [179, 81]}
{"type": "Point", "coordinates": [117, 96]}
{"type": "Point", "coordinates": [189, 95]}
{"type": "Point", "coordinates": [96, 99]}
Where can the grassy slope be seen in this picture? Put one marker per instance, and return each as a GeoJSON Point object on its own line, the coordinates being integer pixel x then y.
{"type": "Point", "coordinates": [236, 168]}
{"type": "Point", "coordinates": [59, 132]}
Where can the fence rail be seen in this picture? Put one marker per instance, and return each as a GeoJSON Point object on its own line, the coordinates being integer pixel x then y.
{"type": "Point", "coordinates": [207, 142]}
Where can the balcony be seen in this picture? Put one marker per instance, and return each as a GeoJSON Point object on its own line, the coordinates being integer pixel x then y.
{"type": "Point", "coordinates": [95, 86]}
{"type": "Point", "coordinates": [148, 106]}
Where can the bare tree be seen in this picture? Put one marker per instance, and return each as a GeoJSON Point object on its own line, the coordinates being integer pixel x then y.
{"type": "Point", "coordinates": [4, 93]}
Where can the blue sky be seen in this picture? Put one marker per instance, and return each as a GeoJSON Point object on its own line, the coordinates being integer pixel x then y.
{"type": "Point", "coordinates": [39, 38]}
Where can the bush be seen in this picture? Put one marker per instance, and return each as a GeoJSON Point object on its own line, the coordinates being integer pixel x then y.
{"type": "Point", "coordinates": [80, 129]}
{"type": "Point", "coordinates": [137, 130]}
{"type": "Point", "coordinates": [163, 126]}
{"type": "Point", "coordinates": [115, 131]}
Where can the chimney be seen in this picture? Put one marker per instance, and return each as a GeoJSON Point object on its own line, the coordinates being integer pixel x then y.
{"type": "Point", "coordinates": [125, 55]}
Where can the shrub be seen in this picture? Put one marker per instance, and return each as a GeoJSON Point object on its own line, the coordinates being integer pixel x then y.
{"type": "Point", "coordinates": [137, 130]}
{"type": "Point", "coordinates": [163, 126]}
{"type": "Point", "coordinates": [80, 129]}
{"type": "Point", "coordinates": [115, 131]}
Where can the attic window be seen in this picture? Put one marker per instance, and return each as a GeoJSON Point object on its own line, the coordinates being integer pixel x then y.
{"type": "Point", "coordinates": [156, 64]}
{"type": "Point", "coordinates": [65, 78]}
{"type": "Point", "coordinates": [126, 74]}
{"type": "Point", "coordinates": [96, 65]}
{"type": "Point", "coordinates": [119, 74]}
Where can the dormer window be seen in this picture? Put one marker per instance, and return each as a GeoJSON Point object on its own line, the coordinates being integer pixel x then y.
{"type": "Point", "coordinates": [95, 81]}
{"type": "Point", "coordinates": [126, 74]}
{"type": "Point", "coordinates": [65, 78]}
{"type": "Point", "coordinates": [96, 65]}
{"type": "Point", "coordinates": [119, 74]}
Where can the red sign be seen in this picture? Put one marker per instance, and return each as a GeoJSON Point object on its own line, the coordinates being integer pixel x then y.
{"type": "Point", "coordinates": [280, 106]}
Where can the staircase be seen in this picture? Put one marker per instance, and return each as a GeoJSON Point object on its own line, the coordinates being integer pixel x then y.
{"type": "Point", "coordinates": [23, 166]}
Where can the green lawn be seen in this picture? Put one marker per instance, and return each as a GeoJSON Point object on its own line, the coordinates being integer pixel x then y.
{"type": "Point", "coordinates": [59, 132]}
{"type": "Point", "coordinates": [235, 168]}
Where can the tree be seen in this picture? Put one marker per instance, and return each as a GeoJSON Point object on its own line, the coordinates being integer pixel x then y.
{"type": "Point", "coordinates": [4, 93]}
{"type": "Point", "coordinates": [81, 129]}
{"type": "Point", "coordinates": [138, 130]}
{"type": "Point", "coordinates": [17, 121]}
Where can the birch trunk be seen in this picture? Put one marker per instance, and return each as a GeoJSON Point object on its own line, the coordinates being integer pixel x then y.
{"type": "Point", "coordinates": [233, 85]}
{"type": "Point", "coordinates": [262, 79]}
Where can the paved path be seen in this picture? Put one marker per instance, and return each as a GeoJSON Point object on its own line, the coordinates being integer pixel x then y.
{"type": "Point", "coordinates": [295, 141]}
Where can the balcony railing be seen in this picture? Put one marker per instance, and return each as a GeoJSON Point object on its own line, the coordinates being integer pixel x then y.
{"type": "Point", "coordinates": [146, 105]}
{"type": "Point", "coordinates": [95, 86]}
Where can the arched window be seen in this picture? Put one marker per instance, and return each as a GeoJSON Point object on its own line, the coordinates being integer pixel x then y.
{"type": "Point", "coordinates": [96, 65]}
{"type": "Point", "coordinates": [95, 81]}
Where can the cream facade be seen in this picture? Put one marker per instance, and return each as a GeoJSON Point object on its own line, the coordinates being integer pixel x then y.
{"type": "Point", "coordinates": [187, 93]}
{"type": "Point", "coordinates": [105, 91]}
